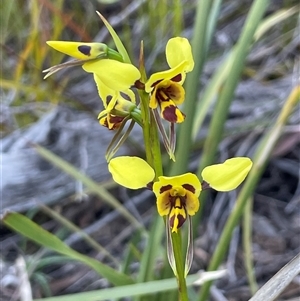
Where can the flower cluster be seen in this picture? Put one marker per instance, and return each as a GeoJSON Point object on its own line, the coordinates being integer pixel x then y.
{"type": "Point", "coordinates": [117, 79]}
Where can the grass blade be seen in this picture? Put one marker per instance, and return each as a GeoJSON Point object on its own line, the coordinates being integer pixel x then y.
{"type": "Point", "coordinates": [247, 244]}
{"type": "Point", "coordinates": [89, 183]}
{"type": "Point", "coordinates": [226, 95]}
{"type": "Point", "coordinates": [221, 74]}
{"type": "Point", "coordinates": [260, 160]}
{"type": "Point", "coordinates": [138, 289]}
{"type": "Point", "coordinates": [31, 230]}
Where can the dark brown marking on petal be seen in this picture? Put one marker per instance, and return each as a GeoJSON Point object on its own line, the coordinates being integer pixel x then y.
{"type": "Point", "coordinates": [114, 122]}
{"type": "Point", "coordinates": [179, 206]}
{"type": "Point", "coordinates": [173, 200]}
{"type": "Point", "coordinates": [169, 113]}
{"type": "Point", "coordinates": [171, 92]}
{"type": "Point", "coordinates": [189, 187]}
{"type": "Point", "coordinates": [84, 49]}
{"type": "Point", "coordinates": [155, 83]}
{"type": "Point", "coordinates": [115, 119]}
{"type": "Point", "coordinates": [176, 78]}
{"type": "Point", "coordinates": [139, 85]}
{"type": "Point", "coordinates": [180, 218]}
{"type": "Point", "coordinates": [165, 188]}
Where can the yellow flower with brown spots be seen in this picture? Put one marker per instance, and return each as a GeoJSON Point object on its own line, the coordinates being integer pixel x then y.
{"type": "Point", "coordinates": [177, 197]}
{"type": "Point", "coordinates": [165, 87]}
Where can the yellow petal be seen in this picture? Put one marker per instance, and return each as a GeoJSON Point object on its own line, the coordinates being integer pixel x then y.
{"type": "Point", "coordinates": [163, 203]}
{"type": "Point", "coordinates": [181, 180]}
{"type": "Point", "coordinates": [178, 50]}
{"type": "Point", "coordinates": [114, 74]}
{"type": "Point", "coordinates": [163, 75]}
{"type": "Point", "coordinates": [153, 103]}
{"type": "Point", "coordinates": [108, 95]}
{"type": "Point", "coordinates": [102, 113]}
{"type": "Point", "coordinates": [131, 172]}
{"type": "Point", "coordinates": [192, 203]}
{"type": "Point", "coordinates": [228, 175]}
{"type": "Point", "coordinates": [78, 50]}
{"type": "Point", "coordinates": [172, 90]}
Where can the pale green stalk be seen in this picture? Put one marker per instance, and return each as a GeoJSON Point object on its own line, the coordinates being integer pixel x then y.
{"type": "Point", "coordinates": [153, 150]}
{"type": "Point", "coordinates": [247, 244]}
{"type": "Point", "coordinates": [177, 248]}
{"type": "Point", "coordinates": [260, 160]}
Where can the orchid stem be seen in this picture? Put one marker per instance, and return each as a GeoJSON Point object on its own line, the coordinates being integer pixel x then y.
{"type": "Point", "coordinates": [182, 288]}
{"type": "Point", "coordinates": [153, 157]}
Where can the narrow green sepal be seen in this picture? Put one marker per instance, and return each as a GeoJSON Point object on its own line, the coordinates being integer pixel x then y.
{"type": "Point", "coordinates": [121, 48]}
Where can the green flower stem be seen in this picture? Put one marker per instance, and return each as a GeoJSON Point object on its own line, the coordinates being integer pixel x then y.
{"type": "Point", "coordinates": [151, 138]}
{"type": "Point", "coordinates": [177, 248]}
{"type": "Point", "coordinates": [260, 160]}
{"type": "Point", "coordinates": [153, 156]}
{"type": "Point", "coordinates": [150, 131]}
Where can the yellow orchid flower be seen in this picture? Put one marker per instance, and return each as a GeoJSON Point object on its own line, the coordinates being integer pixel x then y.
{"type": "Point", "coordinates": [98, 59]}
{"type": "Point", "coordinates": [166, 86]}
{"type": "Point", "coordinates": [177, 197]}
{"type": "Point", "coordinates": [117, 105]}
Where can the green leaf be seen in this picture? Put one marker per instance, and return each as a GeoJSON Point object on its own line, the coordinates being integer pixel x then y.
{"type": "Point", "coordinates": [120, 46]}
{"type": "Point", "coordinates": [31, 230]}
{"type": "Point", "coordinates": [138, 289]}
